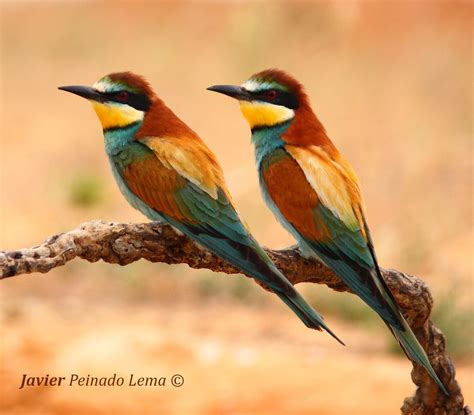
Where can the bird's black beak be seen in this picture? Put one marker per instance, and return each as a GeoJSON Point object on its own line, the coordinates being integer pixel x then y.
{"type": "Point", "coordinates": [84, 91]}
{"type": "Point", "coordinates": [233, 91]}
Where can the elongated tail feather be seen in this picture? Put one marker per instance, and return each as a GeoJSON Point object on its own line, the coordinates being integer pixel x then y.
{"type": "Point", "coordinates": [405, 336]}
{"type": "Point", "coordinates": [306, 314]}
{"type": "Point", "coordinates": [359, 279]}
{"type": "Point", "coordinates": [253, 260]}
{"type": "Point", "coordinates": [415, 352]}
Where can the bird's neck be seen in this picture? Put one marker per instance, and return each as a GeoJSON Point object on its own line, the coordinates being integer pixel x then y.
{"type": "Point", "coordinates": [268, 139]}
{"type": "Point", "coordinates": [306, 130]}
{"type": "Point", "coordinates": [117, 139]}
{"type": "Point", "coordinates": [161, 121]}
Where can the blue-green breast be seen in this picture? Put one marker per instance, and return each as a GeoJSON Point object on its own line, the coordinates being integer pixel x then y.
{"type": "Point", "coordinates": [268, 139]}
{"type": "Point", "coordinates": [122, 149]}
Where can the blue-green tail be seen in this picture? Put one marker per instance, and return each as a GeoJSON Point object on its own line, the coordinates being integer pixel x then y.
{"type": "Point", "coordinates": [305, 312]}
{"type": "Point", "coordinates": [415, 351]}
{"type": "Point", "coordinates": [369, 285]}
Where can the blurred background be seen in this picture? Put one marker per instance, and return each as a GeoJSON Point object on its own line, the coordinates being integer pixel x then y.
{"type": "Point", "coordinates": [391, 81]}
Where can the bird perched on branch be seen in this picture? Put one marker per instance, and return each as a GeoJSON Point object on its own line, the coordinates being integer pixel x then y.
{"type": "Point", "coordinates": [315, 193]}
{"type": "Point", "coordinates": [168, 173]}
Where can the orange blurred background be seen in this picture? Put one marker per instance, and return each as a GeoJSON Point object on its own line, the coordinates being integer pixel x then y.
{"type": "Point", "coordinates": [392, 83]}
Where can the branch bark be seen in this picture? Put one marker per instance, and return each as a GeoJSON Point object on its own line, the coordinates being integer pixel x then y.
{"type": "Point", "coordinates": [122, 244]}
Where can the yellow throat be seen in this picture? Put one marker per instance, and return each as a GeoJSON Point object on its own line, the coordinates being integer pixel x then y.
{"type": "Point", "coordinates": [113, 115]}
{"type": "Point", "coordinates": [263, 114]}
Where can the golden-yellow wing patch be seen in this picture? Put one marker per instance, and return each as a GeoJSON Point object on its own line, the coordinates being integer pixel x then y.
{"type": "Point", "coordinates": [334, 181]}
{"type": "Point", "coordinates": [191, 158]}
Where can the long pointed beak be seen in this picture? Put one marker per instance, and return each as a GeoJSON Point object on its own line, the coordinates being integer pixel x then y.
{"type": "Point", "coordinates": [233, 91]}
{"type": "Point", "coordinates": [84, 92]}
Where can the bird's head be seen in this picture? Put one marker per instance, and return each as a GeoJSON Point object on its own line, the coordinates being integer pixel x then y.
{"type": "Point", "coordinates": [119, 99]}
{"type": "Point", "coordinates": [268, 98]}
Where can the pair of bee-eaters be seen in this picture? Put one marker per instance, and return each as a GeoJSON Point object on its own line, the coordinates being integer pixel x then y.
{"type": "Point", "coordinates": [167, 172]}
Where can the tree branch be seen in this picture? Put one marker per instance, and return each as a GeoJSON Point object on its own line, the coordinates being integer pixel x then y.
{"type": "Point", "coordinates": [125, 243]}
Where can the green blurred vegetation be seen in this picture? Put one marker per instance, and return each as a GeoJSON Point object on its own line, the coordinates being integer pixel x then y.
{"type": "Point", "coordinates": [344, 306]}
{"type": "Point", "coordinates": [86, 190]}
{"type": "Point", "coordinates": [231, 287]}
{"type": "Point", "coordinates": [455, 321]}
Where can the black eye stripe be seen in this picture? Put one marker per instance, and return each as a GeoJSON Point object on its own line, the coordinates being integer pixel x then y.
{"type": "Point", "coordinates": [287, 99]}
{"type": "Point", "coordinates": [137, 101]}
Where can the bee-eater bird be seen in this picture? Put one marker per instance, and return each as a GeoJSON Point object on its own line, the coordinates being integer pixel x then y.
{"type": "Point", "coordinates": [315, 193]}
{"type": "Point", "coordinates": [168, 173]}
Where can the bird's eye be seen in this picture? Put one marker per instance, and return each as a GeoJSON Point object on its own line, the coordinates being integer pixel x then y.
{"type": "Point", "coordinates": [122, 96]}
{"type": "Point", "coordinates": [271, 94]}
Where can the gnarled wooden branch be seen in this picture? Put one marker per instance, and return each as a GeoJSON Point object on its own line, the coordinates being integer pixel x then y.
{"type": "Point", "coordinates": [125, 243]}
